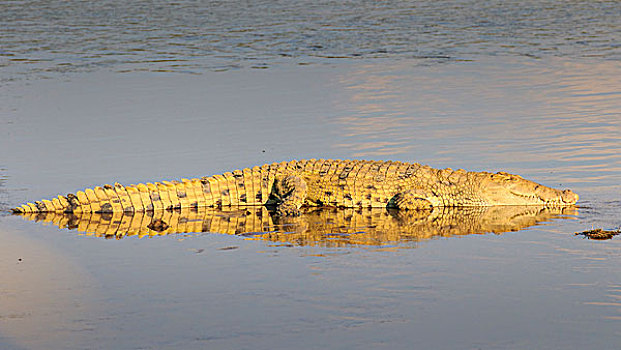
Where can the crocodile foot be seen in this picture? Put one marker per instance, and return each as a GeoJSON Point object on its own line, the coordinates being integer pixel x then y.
{"type": "Point", "coordinates": [287, 209]}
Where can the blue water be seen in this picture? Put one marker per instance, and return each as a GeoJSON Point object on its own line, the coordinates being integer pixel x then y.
{"type": "Point", "coordinates": [44, 37]}
{"type": "Point", "coordinates": [106, 91]}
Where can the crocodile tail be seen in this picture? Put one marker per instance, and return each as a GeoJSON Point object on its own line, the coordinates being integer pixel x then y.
{"type": "Point", "coordinates": [241, 187]}
{"type": "Point", "coordinates": [118, 198]}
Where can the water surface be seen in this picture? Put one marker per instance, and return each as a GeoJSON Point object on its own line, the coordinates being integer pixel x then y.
{"type": "Point", "coordinates": [554, 121]}
{"type": "Point", "coordinates": [43, 38]}
{"type": "Point", "coordinates": [98, 92]}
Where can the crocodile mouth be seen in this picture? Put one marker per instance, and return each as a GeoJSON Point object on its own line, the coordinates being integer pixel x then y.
{"type": "Point", "coordinates": [543, 196]}
{"type": "Point", "coordinates": [569, 197]}
{"type": "Point", "coordinates": [531, 197]}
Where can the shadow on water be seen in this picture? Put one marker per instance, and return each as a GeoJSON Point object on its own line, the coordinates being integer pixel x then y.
{"type": "Point", "coordinates": [327, 227]}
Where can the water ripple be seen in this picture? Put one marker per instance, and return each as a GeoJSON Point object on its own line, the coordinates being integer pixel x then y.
{"type": "Point", "coordinates": [44, 37]}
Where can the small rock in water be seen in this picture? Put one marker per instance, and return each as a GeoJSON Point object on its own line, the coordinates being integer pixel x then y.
{"type": "Point", "coordinates": [158, 225]}
{"type": "Point", "coordinates": [599, 233]}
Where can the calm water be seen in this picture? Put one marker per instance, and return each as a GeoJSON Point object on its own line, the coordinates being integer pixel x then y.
{"type": "Point", "coordinates": [98, 92]}
{"type": "Point", "coordinates": [46, 37]}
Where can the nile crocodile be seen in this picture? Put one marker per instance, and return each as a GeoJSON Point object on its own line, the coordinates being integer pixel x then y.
{"type": "Point", "coordinates": [316, 182]}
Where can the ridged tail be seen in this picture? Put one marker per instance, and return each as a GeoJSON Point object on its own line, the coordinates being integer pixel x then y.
{"type": "Point", "coordinates": [241, 187]}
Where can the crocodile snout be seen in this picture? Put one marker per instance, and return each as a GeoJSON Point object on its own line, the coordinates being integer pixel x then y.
{"type": "Point", "coordinates": [569, 197]}
{"type": "Point", "coordinates": [550, 195]}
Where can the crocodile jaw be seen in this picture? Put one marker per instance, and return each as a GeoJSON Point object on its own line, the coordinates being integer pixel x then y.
{"type": "Point", "coordinates": [507, 189]}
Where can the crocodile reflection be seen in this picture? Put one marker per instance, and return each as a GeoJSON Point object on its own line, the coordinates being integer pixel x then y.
{"type": "Point", "coordinates": [321, 227]}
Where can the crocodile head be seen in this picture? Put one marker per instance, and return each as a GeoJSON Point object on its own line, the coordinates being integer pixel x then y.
{"type": "Point", "coordinates": [507, 189]}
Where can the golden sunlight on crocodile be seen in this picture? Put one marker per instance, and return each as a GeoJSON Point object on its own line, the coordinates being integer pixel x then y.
{"type": "Point", "coordinates": [328, 227]}
{"type": "Point", "coordinates": [338, 183]}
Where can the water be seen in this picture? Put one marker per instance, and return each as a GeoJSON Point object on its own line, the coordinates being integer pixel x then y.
{"type": "Point", "coordinates": [44, 37]}
{"type": "Point", "coordinates": [324, 227]}
{"type": "Point", "coordinates": [98, 92]}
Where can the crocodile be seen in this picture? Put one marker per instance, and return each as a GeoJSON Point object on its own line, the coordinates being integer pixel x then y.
{"type": "Point", "coordinates": [287, 186]}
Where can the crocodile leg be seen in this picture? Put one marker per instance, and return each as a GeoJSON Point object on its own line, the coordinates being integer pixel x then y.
{"type": "Point", "coordinates": [411, 200]}
{"type": "Point", "coordinates": [289, 193]}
